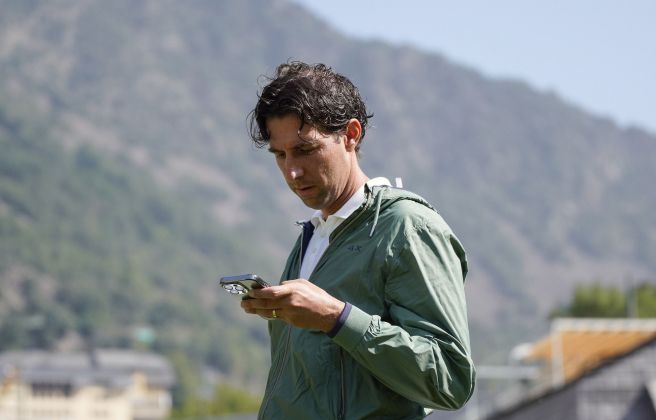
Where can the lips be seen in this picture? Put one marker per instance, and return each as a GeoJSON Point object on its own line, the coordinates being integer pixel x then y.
{"type": "Point", "coordinates": [304, 191]}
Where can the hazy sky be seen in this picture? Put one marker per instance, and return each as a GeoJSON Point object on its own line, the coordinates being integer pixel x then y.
{"type": "Point", "coordinates": [599, 54]}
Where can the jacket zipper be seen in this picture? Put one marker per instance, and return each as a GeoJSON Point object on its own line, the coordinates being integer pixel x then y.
{"type": "Point", "coordinates": [342, 409]}
{"type": "Point", "coordinates": [342, 383]}
{"type": "Point", "coordinates": [283, 361]}
{"type": "Point", "coordinates": [289, 330]}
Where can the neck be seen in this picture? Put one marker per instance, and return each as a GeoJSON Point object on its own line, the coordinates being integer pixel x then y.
{"type": "Point", "coordinates": [357, 180]}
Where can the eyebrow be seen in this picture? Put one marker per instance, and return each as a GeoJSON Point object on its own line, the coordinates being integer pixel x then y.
{"type": "Point", "coordinates": [302, 142]}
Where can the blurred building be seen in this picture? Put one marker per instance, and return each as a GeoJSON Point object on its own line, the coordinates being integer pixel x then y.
{"type": "Point", "coordinates": [591, 369]}
{"type": "Point", "coordinates": [104, 384]}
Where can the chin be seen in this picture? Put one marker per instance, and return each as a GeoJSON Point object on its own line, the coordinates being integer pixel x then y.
{"type": "Point", "coordinates": [314, 204]}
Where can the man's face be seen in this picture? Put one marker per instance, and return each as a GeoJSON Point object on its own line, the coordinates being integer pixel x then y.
{"type": "Point", "coordinates": [316, 166]}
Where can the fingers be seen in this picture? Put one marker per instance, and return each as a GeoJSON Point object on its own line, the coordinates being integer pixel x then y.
{"type": "Point", "coordinates": [274, 313]}
{"type": "Point", "coordinates": [272, 292]}
{"type": "Point", "coordinates": [270, 314]}
{"type": "Point", "coordinates": [269, 303]}
{"type": "Point", "coordinates": [264, 301]}
{"type": "Point", "coordinates": [298, 302]}
{"type": "Point", "coordinates": [263, 306]}
{"type": "Point", "coordinates": [252, 305]}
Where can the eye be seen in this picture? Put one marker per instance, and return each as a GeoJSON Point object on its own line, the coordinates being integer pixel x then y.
{"type": "Point", "coordinates": [306, 150]}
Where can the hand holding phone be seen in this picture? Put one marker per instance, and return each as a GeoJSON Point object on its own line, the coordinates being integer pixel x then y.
{"type": "Point", "coordinates": [240, 285]}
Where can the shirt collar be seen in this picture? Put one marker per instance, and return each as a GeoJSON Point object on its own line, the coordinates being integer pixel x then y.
{"type": "Point", "coordinates": [350, 206]}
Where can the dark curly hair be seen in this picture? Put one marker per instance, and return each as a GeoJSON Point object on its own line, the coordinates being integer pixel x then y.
{"type": "Point", "coordinates": [315, 93]}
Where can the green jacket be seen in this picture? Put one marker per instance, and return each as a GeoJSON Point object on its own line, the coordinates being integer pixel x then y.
{"type": "Point", "coordinates": [404, 348]}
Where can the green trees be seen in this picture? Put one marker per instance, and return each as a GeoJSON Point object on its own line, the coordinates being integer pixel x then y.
{"type": "Point", "coordinates": [599, 301]}
{"type": "Point", "coordinates": [646, 301]}
{"type": "Point", "coordinates": [226, 399]}
{"type": "Point", "coordinates": [93, 250]}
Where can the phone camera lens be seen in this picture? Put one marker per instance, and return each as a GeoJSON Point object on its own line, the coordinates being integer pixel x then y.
{"type": "Point", "coordinates": [234, 289]}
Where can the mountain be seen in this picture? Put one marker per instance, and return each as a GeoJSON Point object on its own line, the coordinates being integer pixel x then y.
{"type": "Point", "coordinates": [122, 114]}
{"type": "Point", "coordinates": [94, 252]}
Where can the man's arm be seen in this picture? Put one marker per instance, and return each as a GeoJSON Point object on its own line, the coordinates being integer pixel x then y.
{"type": "Point", "coordinates": [422, 350]}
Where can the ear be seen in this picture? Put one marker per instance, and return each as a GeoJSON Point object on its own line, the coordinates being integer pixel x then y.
{"type": "Point", "coordinates": [353, 134]}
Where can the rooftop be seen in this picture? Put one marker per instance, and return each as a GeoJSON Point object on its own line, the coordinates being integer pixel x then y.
{"type": "Point", "coordinates": [108, 367]}
{"type": "Point", "coordinates": [576, 345]}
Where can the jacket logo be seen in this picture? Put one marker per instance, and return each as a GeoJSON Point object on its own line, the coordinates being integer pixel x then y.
{"type": "Point", "coordinates": [354, 248]}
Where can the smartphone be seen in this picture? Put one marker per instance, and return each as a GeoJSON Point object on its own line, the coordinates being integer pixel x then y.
{"type": "Point", "coordinates": [242, 284]}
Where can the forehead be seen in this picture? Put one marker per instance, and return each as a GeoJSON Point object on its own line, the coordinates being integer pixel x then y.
{"type": "Point", "coordinates": [285, 125]}
{"type": "Point", "coordinates": [284, 132]}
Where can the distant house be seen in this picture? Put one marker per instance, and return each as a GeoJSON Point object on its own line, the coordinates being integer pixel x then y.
{"type": "Point", "coordinates": [594, 369]}
{"type": "Point", "coordinates": [105, 384]}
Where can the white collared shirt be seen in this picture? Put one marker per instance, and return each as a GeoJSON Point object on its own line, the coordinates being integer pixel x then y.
{"type": "Point", "coordinates": [323, 228]}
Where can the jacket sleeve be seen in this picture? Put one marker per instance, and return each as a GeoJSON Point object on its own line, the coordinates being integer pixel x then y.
{"type": "Point", "coordinates": [421, 349]}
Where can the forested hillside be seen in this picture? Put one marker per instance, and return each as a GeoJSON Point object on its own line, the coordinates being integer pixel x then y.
{"type": "Point", "coordinates": [128, 183]}
{"type": "Point", "coordinates": [93, 252]}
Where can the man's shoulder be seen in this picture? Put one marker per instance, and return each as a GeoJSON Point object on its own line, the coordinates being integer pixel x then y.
{"type": "Point", "coordinates": [394, 193]}
{"type": "Point", "coordinates": [404, 203]}
{"type": "Point", "coordinates": [409, 208]}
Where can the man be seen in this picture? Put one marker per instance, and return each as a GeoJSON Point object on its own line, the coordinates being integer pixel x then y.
{"type": "Point", "coordinates": [369, 320]}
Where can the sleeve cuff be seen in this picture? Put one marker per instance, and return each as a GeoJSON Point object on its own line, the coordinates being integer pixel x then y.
{"type": "Point", "coordinates": [355, 326]}
{"type": "Point", "coordinates": [340, 320]}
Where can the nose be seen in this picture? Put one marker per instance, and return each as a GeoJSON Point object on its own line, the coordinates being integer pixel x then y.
{"type": "Point", "coordinates": [291, 168]}
{"type": "Point", "coordinates": [294, 172]}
